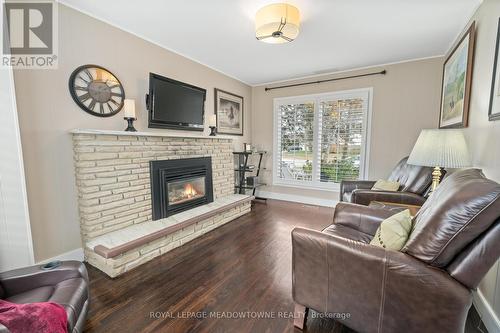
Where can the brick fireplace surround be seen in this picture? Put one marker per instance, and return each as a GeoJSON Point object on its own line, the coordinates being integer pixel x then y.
{"type": "Point", "coordinates": [113, 182]}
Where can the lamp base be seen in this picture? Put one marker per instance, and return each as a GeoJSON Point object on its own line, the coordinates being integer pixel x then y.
{"type": "Point", "coordinates": [212, 130]}
{"type": "Point", "coordinates": [436, 178]}
{"type": "Point", "coordinates": [130, 127]}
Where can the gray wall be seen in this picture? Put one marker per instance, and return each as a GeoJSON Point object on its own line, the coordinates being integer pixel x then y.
{"type": "Point", "coordinates": [47, 113]}
{"type": "Point", "coordinates": [405, 100]}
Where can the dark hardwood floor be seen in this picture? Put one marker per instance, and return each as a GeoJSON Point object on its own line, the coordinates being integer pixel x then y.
{"type": "Point", "coordinates": [242, 267]}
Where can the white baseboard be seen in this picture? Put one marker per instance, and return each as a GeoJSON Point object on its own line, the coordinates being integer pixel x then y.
{"type": "Point", "coordinates": [297, 198]}
{"type": "Point", "coordinates": [488, 315]}
{"type": "Point", "coordinates": [76, 254]}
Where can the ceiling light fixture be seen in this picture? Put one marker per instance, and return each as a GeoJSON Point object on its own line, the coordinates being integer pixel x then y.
{"type": "Point", "coordinates": [277, 23]}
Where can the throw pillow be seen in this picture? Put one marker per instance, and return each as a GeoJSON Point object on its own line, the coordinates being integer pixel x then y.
{"type": "Point", "coordinates": [393, 232]}
{"type": "Point", "coordinates": [385, 185]}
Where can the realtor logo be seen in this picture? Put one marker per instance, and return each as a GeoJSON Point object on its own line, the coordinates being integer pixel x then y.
{"type": "Point", "coordinates": [29, 34]}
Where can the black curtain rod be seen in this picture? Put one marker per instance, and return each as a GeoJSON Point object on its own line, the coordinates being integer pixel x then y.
{"type": "Point", "coordinates": [329, 80]}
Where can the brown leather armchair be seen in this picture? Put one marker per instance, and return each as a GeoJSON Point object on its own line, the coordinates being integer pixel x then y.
{"type": "Point", "coordinates": [425, 287]}
{"type": "Point", "coordinates": [67, 285]}
{"type": "Point", "coordinates": [415, 183]}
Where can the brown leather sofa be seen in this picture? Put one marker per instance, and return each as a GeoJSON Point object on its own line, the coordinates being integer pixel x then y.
{"type": "Point", "coordinates": [66, 285]}
{"type": "Point", "coordinates": [415, 183]}
{"type": "Point", "coordinates": [425, 287]}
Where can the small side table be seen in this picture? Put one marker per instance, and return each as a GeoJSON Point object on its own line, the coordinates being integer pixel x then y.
{"type": "Point", "coordinates": [395, 206]}
{"type": "Point", "coordinates": [243, 168]}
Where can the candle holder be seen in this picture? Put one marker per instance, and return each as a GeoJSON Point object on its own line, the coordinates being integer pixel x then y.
{"type": "Point", "coordinates": [212, 130]}
{"type": "Point", "coordinates": [130, 122]}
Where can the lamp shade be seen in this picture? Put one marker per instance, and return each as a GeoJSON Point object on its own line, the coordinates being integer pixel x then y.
{"type": "Point", "coordinates": [129, 108]}
{"type": "Point", "coordinates": [444, 148]}
{"type": "Point", "coordinates": [277, 23]}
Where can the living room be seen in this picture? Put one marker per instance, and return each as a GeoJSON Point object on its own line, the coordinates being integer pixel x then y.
{"type": "Point", "coordinates": [250, 166]}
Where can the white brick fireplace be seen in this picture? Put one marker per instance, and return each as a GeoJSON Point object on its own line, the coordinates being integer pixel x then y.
{"type": "Point", "coordinates": [114, 190]}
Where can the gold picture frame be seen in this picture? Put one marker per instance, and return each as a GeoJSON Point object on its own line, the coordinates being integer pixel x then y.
{"type": "Point", "coordinates": [456, 82]}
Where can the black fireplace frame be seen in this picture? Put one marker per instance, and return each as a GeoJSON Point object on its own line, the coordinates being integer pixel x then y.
{"type": "Point", "coordinates": [165, 171]}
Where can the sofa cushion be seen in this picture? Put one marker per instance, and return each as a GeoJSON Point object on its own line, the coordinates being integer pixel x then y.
{"type": "Point", "coordinates": [464, 205]}
{"type": "Point", "coordinates": [37, 295]}
{"type": "Point", "coordinates": [412, 178]}
{"type": "Point", "coordinates": [71, 294]}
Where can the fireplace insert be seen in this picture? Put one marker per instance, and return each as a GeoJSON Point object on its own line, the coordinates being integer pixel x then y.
{"type": "Point", "coordinates": [179, 185]}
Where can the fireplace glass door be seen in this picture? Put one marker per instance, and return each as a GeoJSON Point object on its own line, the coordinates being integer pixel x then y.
{"type": "Point", "coordinates": [185, 190]}
{"type": "Point", "coordinates": [180, 184]}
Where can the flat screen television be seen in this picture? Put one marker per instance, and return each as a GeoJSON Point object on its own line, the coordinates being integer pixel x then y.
{"type": "Point", "coordinates": [174, 104]}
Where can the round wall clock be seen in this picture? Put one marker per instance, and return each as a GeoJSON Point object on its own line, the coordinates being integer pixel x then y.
{"type": "Point", "coordinates": [96, 90]}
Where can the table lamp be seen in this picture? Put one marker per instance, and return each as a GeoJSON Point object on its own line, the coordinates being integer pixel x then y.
{"type": "Point", "coordinates": [440, 148]}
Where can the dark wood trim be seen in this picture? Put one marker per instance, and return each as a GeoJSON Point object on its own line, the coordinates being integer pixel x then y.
{"type": "Point", "coordinates": [216, 111]}
{"type": "Point", "coordinates": [495, 116]}
{"type": "Point", "coordinates": [107, 253]}
{"type": "Point", "coordinates": [468, 80]}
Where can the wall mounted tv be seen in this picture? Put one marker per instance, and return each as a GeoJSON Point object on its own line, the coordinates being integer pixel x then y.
{"type": "Point", "coordinates": [174, 104]}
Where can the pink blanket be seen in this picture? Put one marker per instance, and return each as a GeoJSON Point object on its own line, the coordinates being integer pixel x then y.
{"type": "Point", "coordinates": [46, 317]}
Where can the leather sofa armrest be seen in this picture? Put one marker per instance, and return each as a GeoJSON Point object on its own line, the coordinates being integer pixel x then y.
{"type": "Point", "coordinates": [27, 278]}
{"type": "Point", "coordinates": [362, 218]}
{"type": "Point", "coordinates": [347, 186]}
{"type": "Point", "coordinates": [364, 197]}
{"type": "Point", "coordinates": [321, 262]}
{"type": "Point", "coordinates": [309, 268]}
{"type": "Point", "coordinates": [332, 274]}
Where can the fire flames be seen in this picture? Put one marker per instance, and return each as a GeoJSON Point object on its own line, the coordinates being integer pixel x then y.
{"type": "Point", "coordinates": [190, 191]}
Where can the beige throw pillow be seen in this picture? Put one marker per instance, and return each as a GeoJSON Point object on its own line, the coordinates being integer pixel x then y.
{"type": "Point", "coordinates": [385, 185]}
{"type": "Point", "coordinates": [394, 231]}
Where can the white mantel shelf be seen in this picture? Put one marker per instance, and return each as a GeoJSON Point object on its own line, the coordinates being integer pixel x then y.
{"type": "Point", "coordinates": [160, 134]}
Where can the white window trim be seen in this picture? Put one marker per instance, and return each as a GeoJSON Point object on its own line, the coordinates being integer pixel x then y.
{"type": "Point", "coordinates": [316, 98]}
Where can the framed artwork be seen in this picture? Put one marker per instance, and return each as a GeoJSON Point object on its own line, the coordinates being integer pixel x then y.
{"type": "Point", "coordinates": [229, 111]}
{"type": "Point", "coordinates": [494, 111]}
{"type": "Point", "coordinates": [456, 85]}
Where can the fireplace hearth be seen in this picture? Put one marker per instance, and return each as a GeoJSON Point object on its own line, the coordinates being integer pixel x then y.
{"type": "Point", "coordinates": [179, 185]}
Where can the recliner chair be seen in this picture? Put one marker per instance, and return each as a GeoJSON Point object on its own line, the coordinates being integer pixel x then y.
{"type": "Point", "coordinates": [414, 180]}
{"type": "Point", "coordinates": [425, 287]}
{"type": "Point", "coordinates": [67, 285]}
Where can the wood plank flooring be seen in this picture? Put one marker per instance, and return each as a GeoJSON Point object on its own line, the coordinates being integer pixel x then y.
{"type": "Point", "coordinates": [242, 268]}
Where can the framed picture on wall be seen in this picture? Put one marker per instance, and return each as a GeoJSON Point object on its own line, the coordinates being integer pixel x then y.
{"type": "Point", "coordinates": [229, 111]}
{"type": "Point", "coordinates": [457, 77]}
{"type": "Point", "coordinates": [494, 110]}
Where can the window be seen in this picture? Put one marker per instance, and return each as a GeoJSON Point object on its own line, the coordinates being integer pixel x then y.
{"type": "Point", "coordinates": [320, 140]}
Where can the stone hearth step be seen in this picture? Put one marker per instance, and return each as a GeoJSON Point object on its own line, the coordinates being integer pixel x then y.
{"type": "Point", "coordinates": [118, 242]}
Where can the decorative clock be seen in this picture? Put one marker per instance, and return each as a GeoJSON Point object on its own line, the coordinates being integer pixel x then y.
{"type": "Point", "coordinates": [96, 90]}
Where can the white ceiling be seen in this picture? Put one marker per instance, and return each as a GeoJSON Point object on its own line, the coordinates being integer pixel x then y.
{"type": "Point", "coordinates": [335, 34]}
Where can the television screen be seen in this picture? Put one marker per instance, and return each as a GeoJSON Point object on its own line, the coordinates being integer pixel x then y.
{"type": "Point", "coordinates": [174, 104]}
